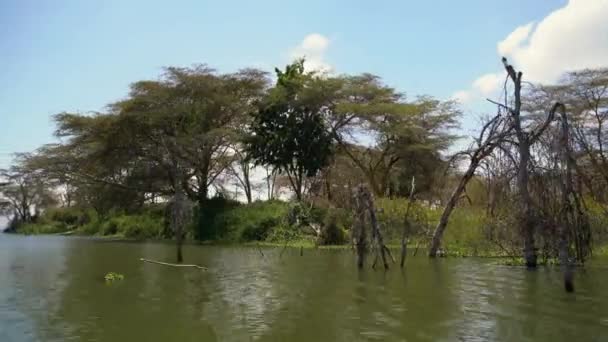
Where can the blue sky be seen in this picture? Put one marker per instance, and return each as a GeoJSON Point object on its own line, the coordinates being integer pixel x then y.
{"type": "Point", "coordinates": [77, 55]}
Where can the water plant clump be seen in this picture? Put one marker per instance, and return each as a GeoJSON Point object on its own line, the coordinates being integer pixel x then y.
{"type": "Point", "coordinates": [113, 276]}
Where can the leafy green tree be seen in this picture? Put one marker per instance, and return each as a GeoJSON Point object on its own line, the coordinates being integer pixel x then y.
{"type": "Point", "coordinates": [288, 129]}
{"type": "Point", "coordinates": [389, 138]}
{"type": "Point", "coordinates": [187, 122]}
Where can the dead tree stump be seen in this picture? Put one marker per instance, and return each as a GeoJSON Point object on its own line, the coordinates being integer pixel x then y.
{"type": "Point", "coordinates": [366, 216]}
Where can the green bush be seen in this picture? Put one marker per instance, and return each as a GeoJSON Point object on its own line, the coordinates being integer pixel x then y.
{"type": "Point", "coordinates": [465, 232]}
{"type": "Point", "coordinates": [205, 217]}
{"type": "Point", "coordinates": [90, 228]}
{"type": "Point", "coordinates": [42, 228]}
{"type": "Point", "coordinates": [254, 221]}
{"type": "Point", "coordinates": [70, 216]}
{"type": "Point", "coordinates": [332, 232]}
{"type": "Point", "coordinates": [391, 216]}
{"type": "Point", "coordinates": [284, 232]}
{"type": "Point", "coordinates": [142, 226]}
{"type": "Point", "coordinates": [597, 221]}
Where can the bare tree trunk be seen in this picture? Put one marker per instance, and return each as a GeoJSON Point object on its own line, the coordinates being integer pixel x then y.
{"type": "Point", "coordinates": [179, 216]}
{"type": "Point", "coordinates": [445, 216]}
{"type": "Point", "coordinates": [526, 214]}
{"type": "Point", "coordinates": [524, 140]}
{"type": "Point", "coordinates": [526, 221]}
{"type": "Point", "coordinates": [406, 224]}
{"type": "Point", "coordinates": [270, 181]}
{"type": "Point", "coordinates": [359, 234]}
{"type": "Point", "coordinates": [568, 210]}
{"type": "Point", "coordinates": [379, 241]}
{"type": "Point", "coordinates": [176, 218]}
{"type": "Point", "coordinates": [327, 182]}
{"type": "Point", "coordinates": [365, 205]}
{"type": "Point", "coordinates": [493, 133]}
{"type": "Point", "coordinates": [406, 228]}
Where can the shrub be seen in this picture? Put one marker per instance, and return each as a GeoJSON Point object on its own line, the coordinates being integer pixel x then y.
{"type": "Point", "coordinates": [70, 216]}
{"type": "Point", "coordinates": [465, 232]}
{"type": "Point", "coordinates": [391, 216]}
{"type": "Point", "coordinates": [205, 217]}
{"type": "Point", "coordinates": [42, 228]}
{"type": "Point", "coordinates": [284, 232]}
{"type": "Point", "coordinates": [133, 226]}
{"type": "Point", "coordinates": [254, 221]}
{"type": "Point", "coordinates": [332, 233]}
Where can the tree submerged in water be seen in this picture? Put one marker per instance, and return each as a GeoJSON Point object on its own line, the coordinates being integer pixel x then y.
{"type": "Point", "coordinates": [366, 215]}
{"type": "Point", "coordinates": [180, 214]}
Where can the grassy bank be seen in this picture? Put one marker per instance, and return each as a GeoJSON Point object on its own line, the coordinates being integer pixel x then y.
{"type": "Point", "coordinates": [278, 223]}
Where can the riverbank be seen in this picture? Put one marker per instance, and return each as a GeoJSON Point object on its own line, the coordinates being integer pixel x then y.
{"type": "Point", "coordinates": [279, 224]}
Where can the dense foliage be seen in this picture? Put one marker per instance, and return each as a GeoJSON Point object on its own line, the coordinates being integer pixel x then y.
{"type": "Point", "coordinates": [309, 139]}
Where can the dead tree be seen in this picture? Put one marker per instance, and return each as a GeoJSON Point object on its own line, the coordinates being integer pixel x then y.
{"type": "Point", "coordinates": [568, 210]}
{"type": "Point", "coordinates": [493, 133]}
{"type": "Point", "coordinates": [525, 139]}
{"type": "Point", "coordinates": [359, 234]}
{"type": "Point", "coordinates": [364, 206]}
{"type": "Point", "coordinates": [574, 224]}
{"type": "Point", "coordinates": [180, 210]}
{"type": "Point", "coordinates": [406, 223]}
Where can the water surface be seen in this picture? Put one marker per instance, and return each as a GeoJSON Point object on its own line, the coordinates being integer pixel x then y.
{"type": "Point", "coordinates": [52, 289]}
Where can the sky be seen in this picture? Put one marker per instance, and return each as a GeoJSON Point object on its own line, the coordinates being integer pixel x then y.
{"type": "Point", "coordinates": [80, 55]}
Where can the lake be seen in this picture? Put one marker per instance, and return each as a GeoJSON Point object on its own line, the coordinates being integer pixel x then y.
{"type": "Point", "coordinates": [52, 289]}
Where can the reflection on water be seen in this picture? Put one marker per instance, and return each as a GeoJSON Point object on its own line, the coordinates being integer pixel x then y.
{"type": "Point", "coordinates": [52, 289]}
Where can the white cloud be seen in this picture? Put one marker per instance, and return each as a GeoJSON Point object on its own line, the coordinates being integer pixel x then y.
{"type": "Point", "coordinates": [462, 96]}
{"type": "Point", "coordinates": [570, 38]}
{"type": "Point", "coordinates": [313, 48]}
{"type": "Point", "coordinates": [484, 86]}
{"type": "Point", "coordinates": [514, 39]}
{"type": "Point", "coordinates": [487, 84]}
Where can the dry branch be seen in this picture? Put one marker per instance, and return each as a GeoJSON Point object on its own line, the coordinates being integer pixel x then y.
{"type": "Point", "coordinates": [172, 265]}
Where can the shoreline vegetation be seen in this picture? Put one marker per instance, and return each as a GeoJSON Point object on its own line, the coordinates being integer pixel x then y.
{"type": "Point", "coordinates": [265, 224]}
{"type": "Point", "coordinates": [359, 163]}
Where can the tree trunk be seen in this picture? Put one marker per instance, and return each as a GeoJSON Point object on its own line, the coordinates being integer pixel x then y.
{"type": "Point", "coordinates": [179, 242]}
{"type": "Point", "coordinates": [526, 215]}
{"type": "Point", "coordinates": [203, 193]}
{"type": "Point", "coordinates": [406, 228]}
{"type": "Point", "coordinates": [247, 181]}
{"type": "Point", "coordinates": [177, 221]}
{"type": "Point", "coordinates": [564, 258]}
{"type": "Point", "coordinates": [568, 210]}
{"type": "Point", "coordinates": [180, 214]}
{"type": "Point", "coordinates": [365, 205]}
{"type": "Point", "coordinates": [270, 180]}
{"type": "Point", "coordinates": [380, 247]}
{"type": "Point", "coordinates": [328, 192]}
{"type": "Point", "coordinates": [406, 223]}
{"type": "Point", "coordinates": [359, 234]}
{"type": "Point", "coordinates": [445, 216]}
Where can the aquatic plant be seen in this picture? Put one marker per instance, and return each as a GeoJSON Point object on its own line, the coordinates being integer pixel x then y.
{"type": "Point", "coordinates": [113, 276]}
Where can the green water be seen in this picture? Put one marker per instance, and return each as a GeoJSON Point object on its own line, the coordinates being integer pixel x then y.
{"type": "Point", "coordinates": [52, 289]}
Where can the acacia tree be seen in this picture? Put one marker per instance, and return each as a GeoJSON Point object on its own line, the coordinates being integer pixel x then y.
{"type": "Point", "coordinates": [23, 194]}
{"type": "Point", "coordinates": [396, 136]}
{"type": "Point", "coordinates": [288, 129]}
{"type": "Point", "coordinates": [100, 164]}
{"type": "Point", "coordinates": [191, 117]}
{"type": "Point", "coordinates": [585, 94]}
